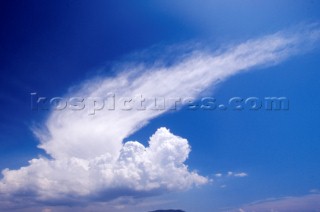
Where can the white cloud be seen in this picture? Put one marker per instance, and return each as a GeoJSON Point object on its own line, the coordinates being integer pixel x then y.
{"type": "Point", "coordinates": [309, 202]}
{"type": "Point", "coordinates": [89, 159]}
{"type": "Point", "coordinates": [232, 174]}
{"type": "Point", "coordinates": [218, 175]}
{"type": "Point", "coordinates": [241, 174]}
{"type": "Point", "coordinates": [138, 169]}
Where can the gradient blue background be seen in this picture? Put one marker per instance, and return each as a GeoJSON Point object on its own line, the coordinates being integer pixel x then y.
{"type": "Point", "coordinates": [48, 46]}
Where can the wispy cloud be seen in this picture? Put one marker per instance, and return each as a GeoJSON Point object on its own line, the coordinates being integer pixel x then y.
{"type": "Point", "coordinates": [242, 174]}
{"type": "Point", "coordinates": [218, 175]}
{"type": "Point", "coordinates": [89, 160]}
{"type": "Point", "coordinates": [309, 202]}
{"type": "Point", "coordinates": [231, 174]}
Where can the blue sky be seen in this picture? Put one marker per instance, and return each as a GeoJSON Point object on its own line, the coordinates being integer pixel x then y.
{"type": "Point", "coordinates": [51, 47]}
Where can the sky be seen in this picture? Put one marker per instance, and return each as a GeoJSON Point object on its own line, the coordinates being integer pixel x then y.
{"type": "Point", "coordinates": [138, 157]}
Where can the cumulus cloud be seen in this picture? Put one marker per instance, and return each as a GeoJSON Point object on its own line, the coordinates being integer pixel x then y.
{"type": "Point", "coordinates": [137, 169]}
{"type": "Point", "coordinates": [89, 159]}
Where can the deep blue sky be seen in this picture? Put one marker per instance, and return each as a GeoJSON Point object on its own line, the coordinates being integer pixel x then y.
{"type": "Point", "coordinates": [48, 46]}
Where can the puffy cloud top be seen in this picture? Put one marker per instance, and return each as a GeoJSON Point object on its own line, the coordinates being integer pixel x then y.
{"type": "Point", "coordinates": [137, 170]}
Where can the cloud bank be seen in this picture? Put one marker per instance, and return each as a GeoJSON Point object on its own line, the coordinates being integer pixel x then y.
{"type": "Point", "coordinates": [91, 160]}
